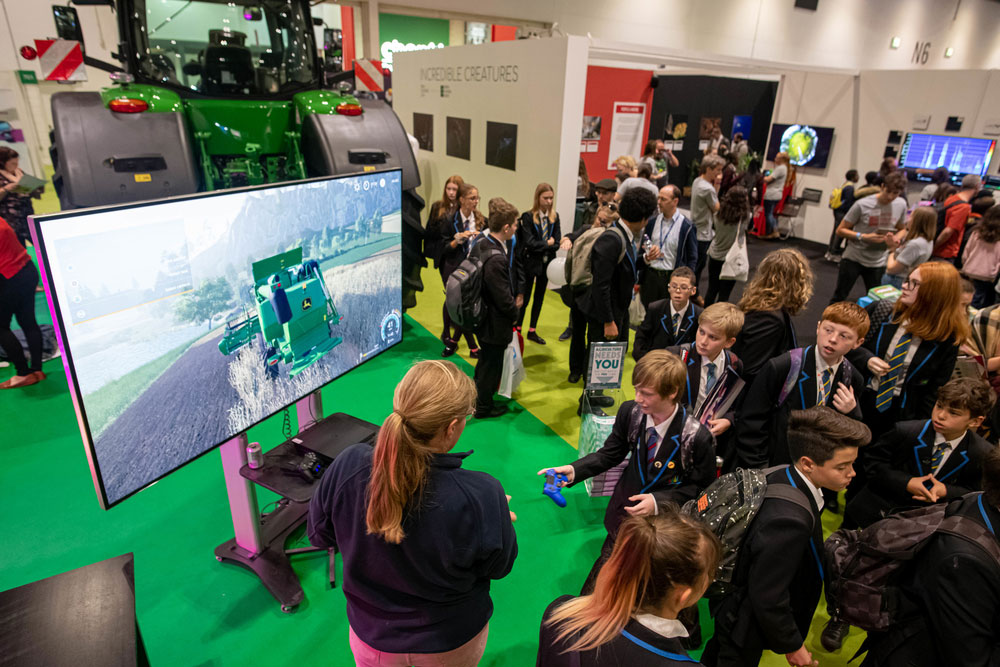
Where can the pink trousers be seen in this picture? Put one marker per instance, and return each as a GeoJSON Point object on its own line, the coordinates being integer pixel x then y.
{"type": "Point", "coordinates": [466, 655]}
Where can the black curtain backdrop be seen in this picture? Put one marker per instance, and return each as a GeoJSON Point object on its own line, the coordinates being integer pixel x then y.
{"type": "Point", "coordinates": [713, 97]}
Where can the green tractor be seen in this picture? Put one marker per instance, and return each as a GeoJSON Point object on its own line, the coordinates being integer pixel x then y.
{"type": "Point", "coordinates": [215, 94]}
{"type": "Point", "coordinates": [295, 313]}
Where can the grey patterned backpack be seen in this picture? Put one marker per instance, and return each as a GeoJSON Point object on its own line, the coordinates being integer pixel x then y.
{"type": "Point", "coordinates": [863, 564]}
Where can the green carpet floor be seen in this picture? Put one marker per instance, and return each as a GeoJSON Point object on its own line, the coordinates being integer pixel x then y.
{"type": "Point", "coordinates": [193, 610]}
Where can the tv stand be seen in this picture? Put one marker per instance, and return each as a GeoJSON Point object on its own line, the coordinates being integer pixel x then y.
{"type": "Point", "coordinates": [258, 543]}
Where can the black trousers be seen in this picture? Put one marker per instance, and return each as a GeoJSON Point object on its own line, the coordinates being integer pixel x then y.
{"type": "Point", "coordinates": [487, 376]}
{"type": "Point", "coordinates": [470, 339]}
{"type": "Point", "coordinates": [702, 260]}
{"type": "Point", "coordinates": [837, 242]}
{"type": "Point", "coordinates": [534, 292]}
{"type": "Point", "coordinates": [579, 341]}
{"type": "Point", "coordinates": [718, 289]}
{"type": "Point", "coordinates": [17, 299]}
{"type": "Point", "coordinates": [721, 651]}
{"type": "Point", "coordinates": [847, 275]}
{"type": "Point", "coordinates": [654, 286]}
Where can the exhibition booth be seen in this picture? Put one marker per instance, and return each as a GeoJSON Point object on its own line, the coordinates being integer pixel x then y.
{"type": "Point", "coordinates": [617, 96]}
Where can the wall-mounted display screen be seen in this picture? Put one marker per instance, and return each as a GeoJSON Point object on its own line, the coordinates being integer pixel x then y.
{"type": "Point", "coordinates": [184, 322]}
{"type": "Point", "coordinates": [960, 155]}
{"type": "Point", "coordinates": [806, 145]}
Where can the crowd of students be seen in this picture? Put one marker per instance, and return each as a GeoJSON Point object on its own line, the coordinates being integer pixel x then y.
{"type": "Point", "coordinates": [871, 408]}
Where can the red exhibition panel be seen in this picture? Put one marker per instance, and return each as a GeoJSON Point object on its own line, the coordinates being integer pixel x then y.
{"type": "Point", "coordinates": [605, 86]}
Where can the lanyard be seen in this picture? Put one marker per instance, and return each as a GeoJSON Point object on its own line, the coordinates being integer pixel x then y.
{"type": "Point", "coordinates": [663, 237]}
{"type": "Point", "coordinates": [658, 651]}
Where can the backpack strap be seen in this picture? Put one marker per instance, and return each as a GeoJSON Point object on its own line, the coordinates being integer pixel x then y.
{"type": "Point", "coordinates": [788, 493]}
{"type": "Point", "coordinates": [798, 358]}
{"type": "Point", "coordinates": [972, 531]}
{"type": "Point", "coordinates": [634, 423]}
{"type": "Point", "coordinates": [624, 241]}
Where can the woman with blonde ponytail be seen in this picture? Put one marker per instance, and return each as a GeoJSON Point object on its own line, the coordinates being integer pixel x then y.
{"type": "Point", "coordinates": [661, 565]}
{"type": "Point", "coordinates": [421, 538]}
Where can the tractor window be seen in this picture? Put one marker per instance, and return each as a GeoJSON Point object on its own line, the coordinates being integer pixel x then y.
{"type": "Point", "coordinates": [224, 48]}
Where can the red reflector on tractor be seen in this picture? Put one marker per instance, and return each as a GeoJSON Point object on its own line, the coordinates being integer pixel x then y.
{"type": "Point", "coordinates": [127, 105]}
{"type": "Point", "coordinates": [349, 109]}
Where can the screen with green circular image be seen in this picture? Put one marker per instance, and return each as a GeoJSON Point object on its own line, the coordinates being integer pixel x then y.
{"type": "Point", "coordinates": [806, 145]}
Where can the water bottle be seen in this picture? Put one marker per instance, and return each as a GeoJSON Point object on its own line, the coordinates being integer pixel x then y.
{"type": "Point", "coordinates": [255, 457]}
{"type": "Point", "coordinates": [646, 243]}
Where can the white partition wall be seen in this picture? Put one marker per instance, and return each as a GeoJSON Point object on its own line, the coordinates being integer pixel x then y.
{"type": "Point", "coordinates": [537, 85]}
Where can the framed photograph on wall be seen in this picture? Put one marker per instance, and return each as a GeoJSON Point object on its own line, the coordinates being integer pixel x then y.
{"type": "Point", "coordinates": [501, 145]}
{"type": "Point", "coordinates": [708, 125]}
{"type": "Point", "coordinates": [423, 130]}
{"type": "Point", "coordinates": [459, 139]}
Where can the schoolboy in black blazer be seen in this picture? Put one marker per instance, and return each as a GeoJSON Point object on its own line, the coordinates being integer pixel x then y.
{"type": "Point", "coordinates": [779, 569]}
{"type": "Point", "coordinates": [497, 328]}
{"type": "Point", "coordinates": [762, 419]}
{"type": "Point", "coordinates": [657, 331]}
{"type": "Point", "coordinates": [901, 464]}
{"type": "Point", "coordinates": [674, 467]}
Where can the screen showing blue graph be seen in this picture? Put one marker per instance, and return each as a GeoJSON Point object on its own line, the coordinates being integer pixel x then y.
{"type": "Point", "coordinates": [960, 155]}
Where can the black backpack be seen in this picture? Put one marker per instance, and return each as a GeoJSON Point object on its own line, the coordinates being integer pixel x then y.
{"type": "Point", "coordinates": [729, 505]}
{"type": "Point", "coordinates": [863, 564]}
{"type": "Point", "coordinates": [464, 291]}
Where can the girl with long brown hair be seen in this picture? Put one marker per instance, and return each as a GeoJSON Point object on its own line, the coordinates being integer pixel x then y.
{"type": "Point", "coordinates": [731, 220]}
{"type": "Point", "coordinates": [781, 287]}
{"type": "Point", "coordinates": [420, 537]}
{"type": "Point", "coordinates": [457, 238]}
{"type": "Point", "coordinates": [981, 257]}
{"type": "Point", "coordinates": [441, 210]}
{"type": "Point", "coordinates": [538, 239]}
{"type": "Point", "coordinates": [911, 348]}
{"type": "Point", "coordinates": [660, 565]}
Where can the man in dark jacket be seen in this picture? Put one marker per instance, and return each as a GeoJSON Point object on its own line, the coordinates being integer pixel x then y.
{"type": "Point", "coordinates": [950, 613]}
{"type": "Point", "coordinates": [779, 571]}
{"type": "Point", "coordinates": [674, 235]}
{"type": "Point", "coordinates": [497, 328]}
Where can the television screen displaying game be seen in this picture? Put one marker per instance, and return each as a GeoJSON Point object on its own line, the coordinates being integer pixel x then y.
{"type": "Point", "coordinates": [185, 321]}
{"type": "Point", "coordinates": [960, 155]}
{"type": "Point", "coordinates": [806, 145]}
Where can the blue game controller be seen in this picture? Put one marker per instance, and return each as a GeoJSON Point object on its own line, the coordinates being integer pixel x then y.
{"type": "Point", "coordinates": [552, 489]}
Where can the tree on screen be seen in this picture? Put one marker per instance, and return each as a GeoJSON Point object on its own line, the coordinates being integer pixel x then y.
{"type": "Point", "coordinates": [214, 296]}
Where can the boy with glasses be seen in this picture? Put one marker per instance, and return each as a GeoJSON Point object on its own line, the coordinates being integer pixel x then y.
{"type": "Point", "coordinates": [671, 321]}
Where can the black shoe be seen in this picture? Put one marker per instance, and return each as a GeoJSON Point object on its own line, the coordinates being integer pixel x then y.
{"type": "Point", "coordinates": [495, 411]}
{"type": "Point", "coordinates": [833, 635]}
{"type": "Point", "coordinates": [450, 347]}
{"type": "Point", "coordinates": [602, 401]}
{"type": "Point", "coordinates": [535, 338]}
{"type": "Point", "coordinates": [574, 377]}
{"type": "Point", "coordinates": [567, 334]}
{"type": "Point", "coordinates": [474, 353]}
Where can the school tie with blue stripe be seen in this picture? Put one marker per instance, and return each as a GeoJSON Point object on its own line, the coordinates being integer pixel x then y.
{"type": "Point", "coordinates": [824, 390]}
{"type": "Point", "coordinates": [939, 451]}
{"type": "Point", "coordinates": [545, 227]}
{"type": "Point", "coordinates": [710, 377]}
{"type": "Point", "coordinates": [888, 382]}
{"type": "Point", "coordinates": [652, 440]}
{"type": "Point", "coordinates": [676, 321]}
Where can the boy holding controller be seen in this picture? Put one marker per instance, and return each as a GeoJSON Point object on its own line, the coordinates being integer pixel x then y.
{"type": "Point", "coordinates": [673, 455]}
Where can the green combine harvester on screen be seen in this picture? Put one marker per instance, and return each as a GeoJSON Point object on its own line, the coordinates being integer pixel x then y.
{"type": "Point", "coordinates": [295, 313]}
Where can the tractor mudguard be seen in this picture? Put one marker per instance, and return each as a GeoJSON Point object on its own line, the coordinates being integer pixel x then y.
{"type": "Point", "coordinates": [102, 157]}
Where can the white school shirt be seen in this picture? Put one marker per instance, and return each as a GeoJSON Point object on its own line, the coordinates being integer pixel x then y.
{"type": "Point", "coordinates": [822, 366]}
{"type": "Point", "coordinates": [720, 368]}
{"type": "Point", "coordinates": [816, 493]}
{"type": "Point", "coordinates": [952, 444]}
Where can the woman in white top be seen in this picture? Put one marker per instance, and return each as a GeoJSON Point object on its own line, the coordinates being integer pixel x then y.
{"type": "Point", "coordinates": [772, 195]}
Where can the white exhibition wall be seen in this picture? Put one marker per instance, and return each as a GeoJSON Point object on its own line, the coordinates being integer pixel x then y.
{"type": "Point", "coordinates": [537, 85]}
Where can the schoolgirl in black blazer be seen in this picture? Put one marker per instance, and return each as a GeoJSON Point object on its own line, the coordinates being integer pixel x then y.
{"type": "Point", "coordinates": [458, 235]}
{"type": "Point", "coordinates": [539, 237]}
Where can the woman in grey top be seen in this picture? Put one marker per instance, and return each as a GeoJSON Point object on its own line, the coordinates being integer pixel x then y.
{"type": "Point", "coordinates": [734, 211]}
{"type": "Point", "coordinates": [775, 190]}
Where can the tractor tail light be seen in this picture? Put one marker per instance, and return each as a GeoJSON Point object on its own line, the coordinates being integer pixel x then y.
{"type": "Point", "coordinates": [127, 105]}
{"type": "Point", "coordinates": [349, 109]}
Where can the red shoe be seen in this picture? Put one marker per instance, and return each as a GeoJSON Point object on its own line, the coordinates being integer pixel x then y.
{"type": "Point", "coordinates": [24, 381]}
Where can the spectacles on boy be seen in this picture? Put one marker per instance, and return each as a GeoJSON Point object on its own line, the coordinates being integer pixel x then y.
{"type": "Point", "coordinates": [674, 287]}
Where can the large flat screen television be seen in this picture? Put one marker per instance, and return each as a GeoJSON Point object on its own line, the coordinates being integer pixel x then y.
{"type": "Point", "coordinates": [960, 155]}
{"type": "Point", "coordinates": [806, 145]}
{"type": "Point", "coordinates": [183, 322]}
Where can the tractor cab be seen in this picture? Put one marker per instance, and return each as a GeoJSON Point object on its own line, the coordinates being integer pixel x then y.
{"type": "Point", "coordinates": [216, 48]}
